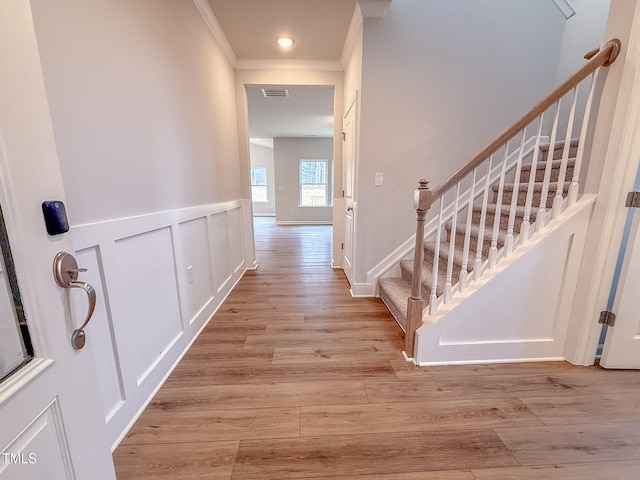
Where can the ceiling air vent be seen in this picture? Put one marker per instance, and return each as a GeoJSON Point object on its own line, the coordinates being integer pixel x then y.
{"type": "Point", "coordinates": [275, 92]}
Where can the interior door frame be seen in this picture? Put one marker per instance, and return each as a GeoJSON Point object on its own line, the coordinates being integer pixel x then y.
{"type": "Point", "coordinates": [349, 212]}
{"type": "Point", "coordinates": [616, 141]}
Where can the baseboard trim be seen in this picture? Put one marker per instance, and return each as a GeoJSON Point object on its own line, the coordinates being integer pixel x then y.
{"type": "Point", "coordinates": [304, 222]}
{"type": "Point", "coordinates": [492, 361]}
{"type": "Point", "coordinates": [363, 290]}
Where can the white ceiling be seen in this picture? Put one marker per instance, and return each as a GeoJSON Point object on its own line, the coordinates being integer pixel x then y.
{"type": "Point", "coordinates": [307, 112]}
{"type": "Point", "coordinates": [319, 29]}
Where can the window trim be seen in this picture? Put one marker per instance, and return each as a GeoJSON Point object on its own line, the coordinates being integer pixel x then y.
{"type": "Point", "coordinates": [256, 184]}
{"type": "Point", "coordinates": [327, 183]}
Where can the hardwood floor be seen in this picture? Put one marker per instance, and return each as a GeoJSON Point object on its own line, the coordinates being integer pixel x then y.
{"type": "Point", "coordinates": [294, 379]}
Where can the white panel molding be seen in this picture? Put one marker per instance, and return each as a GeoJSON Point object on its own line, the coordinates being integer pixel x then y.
{"type": "Point", "coordinates": [216, 238]}
{"type": "Point", "coordinates": [313, 65]}
{"type": "Point", "coordinates": [363, 290]}
{"type": "Point", "coordinates": [41, 447]}
{"type": "Point", "coordinates": [212, 22]}
{"type": "Point", "coordinates": [448, 338]}
{"type": "Point", "coordinates": [565, 6]}
{"type": "Point", "coordinates": [374, 8]}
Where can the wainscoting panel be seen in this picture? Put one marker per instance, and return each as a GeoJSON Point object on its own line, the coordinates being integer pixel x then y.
{"type": "Point", "coordinates": [221, 266]}
{"type": "Point", "coordinates": [236, 240]}
{"type": "Point", "coordinates": [100, 331]}
{"type": "Point", "coordinates": [159, 278]}
{"type": "Point", "coordinates": [520, 310]}
{"type": "Point", "coordinates": [153, 320]}
{"type": "Point", "coordinates": [194, 266]}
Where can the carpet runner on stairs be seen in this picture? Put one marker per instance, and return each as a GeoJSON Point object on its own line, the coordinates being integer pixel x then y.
{"type": "Point", "coordinates": [395, 291]}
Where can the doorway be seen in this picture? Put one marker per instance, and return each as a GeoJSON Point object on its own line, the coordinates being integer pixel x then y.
{"type": "Point", "coordinates": [291, 153]}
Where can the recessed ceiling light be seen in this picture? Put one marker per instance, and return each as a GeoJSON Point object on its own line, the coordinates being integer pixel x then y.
{"type": "Point", "coordinates": [284, 41]}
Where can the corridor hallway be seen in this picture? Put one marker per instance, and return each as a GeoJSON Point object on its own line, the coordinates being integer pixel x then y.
{"type": "Point", "coordinates": [292, 378]}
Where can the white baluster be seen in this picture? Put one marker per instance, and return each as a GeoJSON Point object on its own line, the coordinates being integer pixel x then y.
{"type": "Point", "coordinates": [573, 189]}
{"type": "Point", "coordinates": [477, 269]}
{"type": "Point", "coordinates": [514, 198]}
{"type": "Point", "coordinates": [464, 271]}
{"type": "Point", "coordinates": [433, 308]}
{"type": "Point", "coordinates": [557, 200]}
{"type": "Point", "coordinates": [542, 207]}
{"type": "Point", "coordinates": [525, 229]}
{"type": "Point", "coordinates": [452, 246]}
{"type": "Point", "coordinates": [493, 251]}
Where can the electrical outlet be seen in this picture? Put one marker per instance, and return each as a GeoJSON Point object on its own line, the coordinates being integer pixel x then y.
{"type": "Point", "coordinates": [190, 274]}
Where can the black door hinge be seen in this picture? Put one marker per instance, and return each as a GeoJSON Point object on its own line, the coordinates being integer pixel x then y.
{"type": "Point", "coordinates": [607, 318]}
{"type": "Point", "coordinates": [633, 200]}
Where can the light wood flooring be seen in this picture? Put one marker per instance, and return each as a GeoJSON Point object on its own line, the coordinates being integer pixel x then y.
{"type": "Point", "coordinates": [294, 379]}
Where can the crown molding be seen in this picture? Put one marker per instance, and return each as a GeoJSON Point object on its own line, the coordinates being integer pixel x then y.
{"type": "Point", "coordinates": [374, 8]}
{"type": "Point", "coordinates": [565, 6]}
{"type": "Point", "coordinates": [333, 66]}
{"type": "Point", "coordinates": [212, 22]}
{"type": "Point", "coordinates": [352, 35]}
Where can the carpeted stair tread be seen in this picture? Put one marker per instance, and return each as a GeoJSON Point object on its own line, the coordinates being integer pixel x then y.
{"type": "Point", "coordinates": [394, 293]}
{"type": "Point", "coordinates": [558, 149]}
{"type": "Point", "coordinates": [525, 172]}
{"type": "Point", "coordinates": [458, 253]}
{"type": "Point", "coordinates": [426, 278]}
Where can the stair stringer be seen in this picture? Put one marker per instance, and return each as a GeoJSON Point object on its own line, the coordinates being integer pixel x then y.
{"type": "Point", "coordinates": [495, 320]}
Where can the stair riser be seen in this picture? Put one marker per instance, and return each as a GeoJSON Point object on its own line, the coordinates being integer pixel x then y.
{"type": "Point", "coordinates": [444, 255]}
{"type": "Point", "coordinates": [504, 220]}
{"type": "Point", "coordinates": [537, 197]}
{"type": "Point", "coordinates": [557, 153]}
{"type": "Point", "coordinates": [427, 276]}
{"type": "Point", "coordinates": [555, 174]}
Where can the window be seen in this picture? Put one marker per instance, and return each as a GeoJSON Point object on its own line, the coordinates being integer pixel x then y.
{"type": "Point", "coordinates": [259, 184]}
{"type": "Point", "coordinates": [314, 191]}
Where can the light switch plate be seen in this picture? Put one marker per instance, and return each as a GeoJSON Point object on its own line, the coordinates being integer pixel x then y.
{"type": "Point", "coordinates": [379, 179]}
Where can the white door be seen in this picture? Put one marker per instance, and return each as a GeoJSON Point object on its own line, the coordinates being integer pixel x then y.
{"type": "Point", "coordinates": [622, 343]}
{"type": "Point", "coordinates": [51, 426]}
{"type": "Point", "coordinates": [349, 159]}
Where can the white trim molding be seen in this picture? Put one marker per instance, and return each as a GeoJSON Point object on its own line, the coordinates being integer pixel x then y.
{"type": "Point", "coordinates": [304, 222]}
{"type": "Point", "coordinates": [565, 6]}
{"type": "Point", "coordinates": [374, 8]}
{"type": "Point", "coordinates": [212, 22]}
{"type": "Point", "coordinates": [319, 65]}
{"type": "Point", "coordinates": [159, 278]}
{"type": "Point", "coordinates": [352, 35]}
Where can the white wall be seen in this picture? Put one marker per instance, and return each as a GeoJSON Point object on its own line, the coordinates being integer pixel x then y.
{"type": "Point", "coordinates": [439, 81]}
{"type": "Point", "coordinates": [142, 104]}
{"type": "Point", "coordinates": [287, 154]}
{"type": "Point", "coordinates": [262, 156]}
{"type": "Point", "coordinates": [583, 32]}
{"type": "Point", "coordinates": [143, 110]}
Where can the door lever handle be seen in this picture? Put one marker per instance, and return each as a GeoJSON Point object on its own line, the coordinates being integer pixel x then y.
{"type": "Point", "coordinates": [65, 272]}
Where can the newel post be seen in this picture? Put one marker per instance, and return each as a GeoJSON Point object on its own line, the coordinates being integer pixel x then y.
{"type": "Point", "coordinates": [415, 303]}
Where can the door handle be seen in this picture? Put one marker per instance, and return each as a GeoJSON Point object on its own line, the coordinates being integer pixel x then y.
{"type": "Point", "coordinates": [65, 271]}
{"type": "Point", "coordinates": [349, 209]}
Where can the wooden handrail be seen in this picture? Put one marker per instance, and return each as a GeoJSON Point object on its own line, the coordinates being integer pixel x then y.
{"type": "Point", "coordinates": [596, 58]}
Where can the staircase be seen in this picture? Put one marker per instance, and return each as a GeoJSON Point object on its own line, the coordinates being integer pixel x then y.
{"type": "Point", "coordinates": [480, 233]}
{"type": "Point", "coordinates": [499, 243]}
